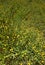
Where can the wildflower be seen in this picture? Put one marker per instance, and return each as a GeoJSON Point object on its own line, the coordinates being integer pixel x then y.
{"type": "Point", "coordinates": [8, 37]}
{"type": "Point", "coordinates": [13, 39]}
{"type": "Point", "coordinates": [16, 54]}
{"type": "Point", "coordinates": [29, 43]}
{"type": "Point", "coordinates": [33, 47]}
{"type": "Point", "coordinates": [28, 63]}
{"type": "Point", "coordinates": [21, 64]}
{"type": "Point", "coordinates": [23, 55]}
{"type": "Point", "coordinates": [18, 36]}
{"type": "Point", "coordinates": [37, 51]}
{"type": "Point", "coordinates": [4, 48]}
{"type": "Point", "coordinates": [11, 49]}
{"type": "Point", "coordinates": [5, 45]}
{"type": "Point", "coordinates": [35, 58]}
{"type": "Point", "coordinates": [42, 61]}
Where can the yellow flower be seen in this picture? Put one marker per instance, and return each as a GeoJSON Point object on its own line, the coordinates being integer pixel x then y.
{"type": "Point", "coordinates": [42, 61]}
{"type": "Point", "coordinates": [28, 63]}
{"type": "Point", "coordinates": [16, 54]}
{"type": "Point", "coordinates": [37, 51]}
{"type": "Point", "coordinates": [13, 39]}
{"type": "Point", "coordinates": [16, 43]}
{"type": "Point", "coordinates": [25, 53]}
{"type": "Point", "coordinates": [21, 64]}
{"type": "Point", "coordinates": [11, 49]}
{"type": "Point", "coordinates": [5, 45]}
{"type": "Point", "coordinates": [18, 36]}
{"type": "Point", "coordinates": [34, 47]}
{"type": "Point", "coordinates": [29, 43]}
{"type": "Point", "coordinates": [8, 37]}
{"type": "Point", "coordinates": [35, 58]}
{"type": "Point", "coordinates": [4, 48]}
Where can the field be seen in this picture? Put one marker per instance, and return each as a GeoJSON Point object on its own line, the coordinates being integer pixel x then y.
{"type": "Point", "coordinates": [22, 32]}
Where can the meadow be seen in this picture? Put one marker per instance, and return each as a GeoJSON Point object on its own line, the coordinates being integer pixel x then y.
{"type": "Point", "coordinates": [22, 32]}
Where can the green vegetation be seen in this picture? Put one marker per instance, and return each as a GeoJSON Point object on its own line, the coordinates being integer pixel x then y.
{"type": "Point", "coordinates": [22, 32]}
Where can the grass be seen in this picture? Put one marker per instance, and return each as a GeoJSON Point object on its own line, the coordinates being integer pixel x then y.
{"type": "Point", "coordinates": [22, 32]}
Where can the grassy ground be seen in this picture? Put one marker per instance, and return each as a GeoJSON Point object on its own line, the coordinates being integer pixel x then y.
{"type": "Point", "coordinates": [22, 32]}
